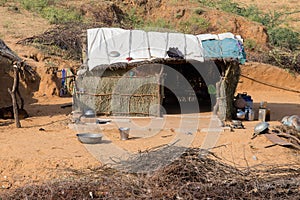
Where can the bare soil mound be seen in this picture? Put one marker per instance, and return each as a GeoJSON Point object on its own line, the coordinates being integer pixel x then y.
{"type": "Point", "coordinates": [264, 77]}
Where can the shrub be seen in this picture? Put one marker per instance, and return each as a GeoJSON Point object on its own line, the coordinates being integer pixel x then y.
{"type": "Point", "coordinates": [133, 19]}
{"type": "Point", "coordinates": [35, 5]}
{"type": "Point", "coordinates": [158, 24]}
{"type": "Point", "coordinates": [194, 25]}
{"type": "Point", "coordinates": [250, 44]}
{"type": "Point", "coordinates": [59, 15]}
{"type": "Point", "coordinates": [3, 2]}
{"type": "Point", "coordinates": [284, 38]}
{"type": "Point", "coordinates": [229, 6]}
{"type": "Point", "coordinates": [48, 10]}
{"type": "Point", "coordinates": [270, 19]}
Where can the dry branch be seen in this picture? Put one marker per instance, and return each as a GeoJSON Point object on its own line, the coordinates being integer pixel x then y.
{"type": "Point", "coordinates": [191, 176]}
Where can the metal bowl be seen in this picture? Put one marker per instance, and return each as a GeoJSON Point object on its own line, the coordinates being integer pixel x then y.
{"type": "Point", "coordinates": [261, 127]}
{"type": "Point", "coordinates": [240, 114]}
{"type": "Point", "coordinates": [284, 120]}
{"type": "Point", "coordinates": [292, 118]}
{"type": "Point", "coordinates": [236, 122]}
{"type": "Point", "coordinates": [89, 138]}
{"type": "Point", "coordinates": [89, 113]}
{"type": "Point", "coordinates": [295, 121]}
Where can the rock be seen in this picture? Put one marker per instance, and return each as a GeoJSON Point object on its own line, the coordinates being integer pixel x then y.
{"type": "Point", "coordinates": [5, 185]}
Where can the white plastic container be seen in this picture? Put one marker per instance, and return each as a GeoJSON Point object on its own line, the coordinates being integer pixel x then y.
{"type": "Point", "coordinates": [262, 112]}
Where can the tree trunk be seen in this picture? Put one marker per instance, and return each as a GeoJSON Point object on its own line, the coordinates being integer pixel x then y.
{"type": "Point", "coordinates": [13, 97]}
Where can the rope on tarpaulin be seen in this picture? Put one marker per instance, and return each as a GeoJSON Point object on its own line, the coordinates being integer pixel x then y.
{"type": "Point", "coordinates": [269, 84]}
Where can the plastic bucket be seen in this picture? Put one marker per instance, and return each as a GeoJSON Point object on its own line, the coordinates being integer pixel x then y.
{"type": "Point", "coordinates": [124, 133]}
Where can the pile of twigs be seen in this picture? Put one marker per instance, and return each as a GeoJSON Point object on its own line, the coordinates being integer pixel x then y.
{"type": "Point", "coordinates": [192, 176]}
{"type": "Point", "coordinates": [278, 57]}
{"type": "Point", "coordinates": [63, 40]}
{"type": "Point", "coordinates": [290, 133]}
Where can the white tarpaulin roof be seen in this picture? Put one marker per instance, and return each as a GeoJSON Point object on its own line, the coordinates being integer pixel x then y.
{"type": "Point", "coordinates": [112, 45]}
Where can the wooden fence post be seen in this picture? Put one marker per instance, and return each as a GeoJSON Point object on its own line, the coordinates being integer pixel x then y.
{"type": "Point", "coordinates": [12, 92]}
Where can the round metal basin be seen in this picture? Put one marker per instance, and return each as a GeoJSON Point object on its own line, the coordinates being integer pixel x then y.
{"type": "Point", "coordinates": [89, 138]}
{"type": "Point", "coordinates": [261, 127]}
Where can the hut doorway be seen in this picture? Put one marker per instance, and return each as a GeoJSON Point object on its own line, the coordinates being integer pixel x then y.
{"type": "Point", "coordinates": [184, 90]}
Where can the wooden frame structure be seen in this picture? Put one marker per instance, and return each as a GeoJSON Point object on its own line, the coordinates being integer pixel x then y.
{"type": "Point", "coordinates": [111, 89]}
{"type": "Point", "coordinates": [18, 67]}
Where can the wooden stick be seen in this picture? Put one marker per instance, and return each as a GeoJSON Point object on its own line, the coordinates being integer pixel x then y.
{"type": "Point", "coordinates": [13, 96]}
{"type": "Point", "coordinates": [289, 136]}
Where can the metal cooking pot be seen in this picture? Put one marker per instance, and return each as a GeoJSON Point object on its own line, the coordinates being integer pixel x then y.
{"type": "Point", "coordinates": [261, 127]}
{"type": "Point", "coordinates": [124, 133]}
{"type": "Point", "coordinates": [240, 114]}
{"type": "Point", "coordinates": [240, 103]}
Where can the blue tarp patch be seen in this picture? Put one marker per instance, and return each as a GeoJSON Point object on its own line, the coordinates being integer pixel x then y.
{"type": "Point", "coordinates": [226, 48]}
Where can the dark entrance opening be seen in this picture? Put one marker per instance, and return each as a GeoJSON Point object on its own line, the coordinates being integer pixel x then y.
{"type": "Point", "coordinates": [184, 90]}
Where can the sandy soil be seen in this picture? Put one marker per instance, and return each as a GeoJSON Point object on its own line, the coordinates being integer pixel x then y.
{"type": "Point", "coordinates": [45, 148]}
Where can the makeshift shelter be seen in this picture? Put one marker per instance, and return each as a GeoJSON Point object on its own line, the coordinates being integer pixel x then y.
{"type": "Point", "coordinates": [11, 68]}
{"type": "Point", "coordinates": [138, 73]}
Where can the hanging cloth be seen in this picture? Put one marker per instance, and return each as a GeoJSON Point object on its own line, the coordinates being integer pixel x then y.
{"type": "Point", "coordinates": [63, 77]}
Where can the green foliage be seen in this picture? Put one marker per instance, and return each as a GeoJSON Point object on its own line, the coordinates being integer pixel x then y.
{"type": "Point", "coordinates": [270, 19]}
{"type": "Point", "coordinates": [3, 2]}
{"type": "Point", "coordinates": [58, 15]}
{"type": "Point", "coordinates": [133, 19]}
{"type": "Point", "coordinates": [35, 5]}
{"type": "Point", "coordinates": [194, 25]}
{"type": "Point", "coordinates": [284, 38]}
{"type": "Point", "coordinates": [157, 24]}
{"type": "Point", "coordinates": [49, 10]}
{"type": "Point", "coordinates": [278, 36]}
{"type": "Point", "coordinates": [199, 11]}
{"type": "Point", "coordinates": [250, 44]}
{"type": "Point", "coordinates": [208, 3]}
{"type": "Point", "coordinates": [229, 6]}
{"type": "Point", "coordinates": [161, 23]}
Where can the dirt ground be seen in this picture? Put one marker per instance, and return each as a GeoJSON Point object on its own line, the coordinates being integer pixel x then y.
{"type": "Point", "coordinates": [45, 148]}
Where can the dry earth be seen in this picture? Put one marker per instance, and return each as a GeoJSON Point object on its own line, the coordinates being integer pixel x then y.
{"type": "Point", "coordinates": [46, 149]}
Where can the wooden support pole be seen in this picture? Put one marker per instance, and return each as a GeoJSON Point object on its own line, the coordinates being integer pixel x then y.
{"type": "Point", "coordinates": [12, 92]}
{"type": "Point", "coordinates": [217, 104]}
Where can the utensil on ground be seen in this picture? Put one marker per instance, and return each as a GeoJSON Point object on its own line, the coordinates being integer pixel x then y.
{"type": "Point", "coordinates": [240, 114]}
{"type": "Point", "coordinates": [124, 133]}
{"type": "Point", "coordinates": [260, 128]}
{"type": "Point", "coordinates": [89, 113]}
{"type": "Point", "coordinates": [89, 138]}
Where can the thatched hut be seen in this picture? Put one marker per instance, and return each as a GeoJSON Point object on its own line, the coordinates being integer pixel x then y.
{"type": "Point", "coordinates": [11, 67]}
{"type": "Point", "coordinates": [137, 73]}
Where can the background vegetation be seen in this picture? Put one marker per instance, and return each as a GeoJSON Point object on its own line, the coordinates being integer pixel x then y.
{"type": "Point", "coordinates": [283, 39]}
